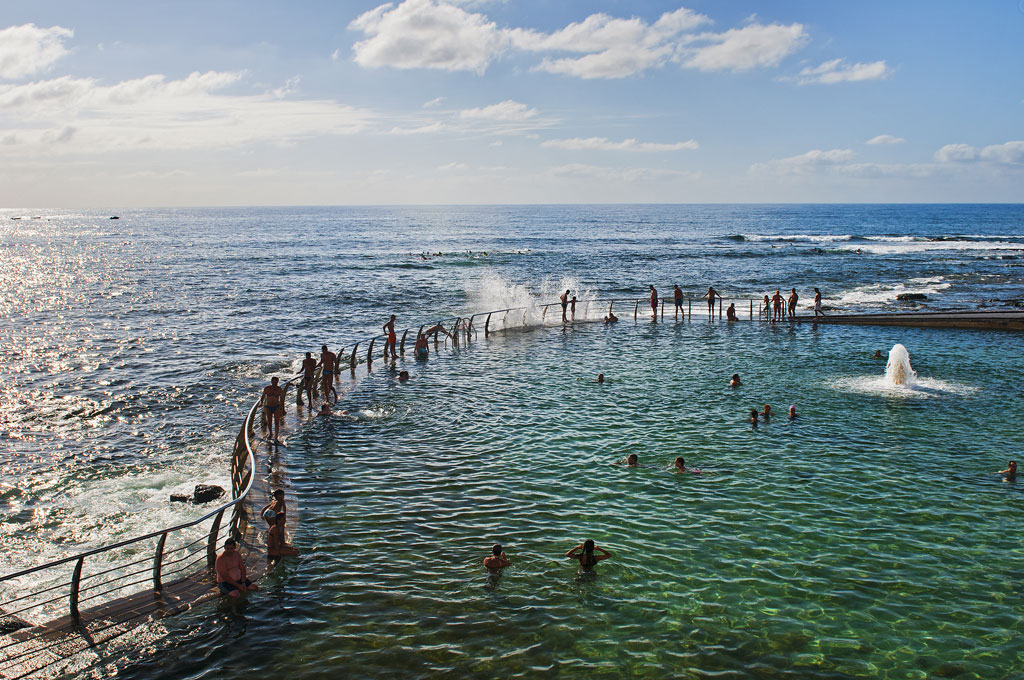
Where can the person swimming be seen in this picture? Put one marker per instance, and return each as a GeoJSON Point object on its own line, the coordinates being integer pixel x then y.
{"type": "Point", "coordinates": [497, 559]}
{"type": "Point", "coordinates": [753, 417]}
{"type": "Point", "coordinates": [766, 414]}
{"type": "Point", "coordinates": [600, 377]}
{"type": "Point", "coordinates": [735, 382]}
{"type": "Point", "coordinates": [792, 412]}
{"type": "Point", "coordinates": [1010, 473]}
{"type": "Point", "coordinates": [679, 465]}
{"type": "Point", "coordinates": [632, 460]}
{"type": "Point", "coordinates": [403, 376]}
{"type": "Point", "coordinates": [586, 555]}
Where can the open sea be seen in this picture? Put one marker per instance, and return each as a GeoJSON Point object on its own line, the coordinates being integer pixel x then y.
{"type": "Point", "coordinates": [868, 538]}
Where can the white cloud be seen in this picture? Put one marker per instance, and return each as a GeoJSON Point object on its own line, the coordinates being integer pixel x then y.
{"type": "Point", "coordinates": [741, 49]}
{"type": "Point", "coordinates": [28, 49]}
{"type": "Point", "coordinates": [804, 163]}
{"type": "Point", "coordinates": [1008, 153]}
{"type": "Point", "coordinates": [436, 101]}
{"type": "Point", "coordinates": [885, 139]}
{"type": "Point", "coordinates": [438, 34]}
{"type": "Point", "coordinates": [835, 71]}
{"type": "Point", "coordinates": [427, 34]}
{"type": "Point", "coordinates": [506, 111]}
{"type": "Point", "coordinates": [604, 144]}
{"type": "Point", "coordinates": [79, 115]}
{"type": "Point", "coordinates": [336, 55]}
{"type": "Point", "coordinates": [426, 129]}
{"type": "Point", "coordinates": [600, 172]}
{"type": "Point", "coordinates": [452, 166]}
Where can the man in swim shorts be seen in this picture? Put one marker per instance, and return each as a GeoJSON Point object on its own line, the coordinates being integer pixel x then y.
{"type": "Point", "coordinates": [711, 295]}
{"type": "Point", "coordinates": [677, 296]}
{"type": "Point", "coordinates": [654, 302]}
{"type": "Point", "coordinates": [308, 376]}
{"type": "Point", "coordinates": [389, 329]}
{"type": "Point", "coordinates": [230, 570]}
{"type": "Point", "coordinates": [328, 362]}
{"type": "Point", "coordinates": [793, 297]}
{"type": "Point", "coordinates": [271, 400]}
{"type": "Point", "coordinates": [564, 298]}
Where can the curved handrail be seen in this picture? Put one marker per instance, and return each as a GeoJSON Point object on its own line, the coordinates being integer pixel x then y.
{"type": "Point", "coordinates": [120, 544]}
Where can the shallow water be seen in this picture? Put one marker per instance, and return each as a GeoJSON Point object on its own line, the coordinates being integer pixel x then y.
{"type": "Point", "coordinates": [866, 539]}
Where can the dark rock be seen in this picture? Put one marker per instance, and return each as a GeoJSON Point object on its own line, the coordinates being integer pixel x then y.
{"type": "Point", "coordinates": [204, 493]}
{"type": "Point", "coordinates": [115, 217]}
{"type": "Point", "coordinates": [180, 498]}
{"type": "Point", "coordinates": [9, 624]}
{"type": "Point", "coordinates": [949, 670]}
{"type": "Point", "coordinates": [911, 296]}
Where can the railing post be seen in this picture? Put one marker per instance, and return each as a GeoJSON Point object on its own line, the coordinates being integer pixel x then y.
{"type": "Point", "coordinates": [402, 350]}
{"type": "Point", "coordinates": [211, 544]}
{"type": "Point", "coordinates": [369, 354]}
{"type": "Point", "coordinates": [662, 309]}
{"type": "Point", "coordinates": [337, 367]}
{"type": "Point", "coordinates": [689, 307]}
{"type": "Point", "coordinates": [352, 358]}
{"type": "Point", "coordinates": [751, 310]}
{"type": "Point", "coordinates": [455, 331]}
{"type": "Point", "coordinates": [158, 561]}
{"type": "Point", "coordinates": [636, 308]}
{"type": "Point", "coordinates": [76, 581]}
{"type": "Point", "coordinates": [487, 325]}
{"type": "Point", "coordinates": [720, 308]}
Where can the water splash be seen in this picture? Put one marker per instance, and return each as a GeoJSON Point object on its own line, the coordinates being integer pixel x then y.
{"type": "Point", "coordinates": [898, 371]}
{"type": "Point", "coordinates": [493, 292]}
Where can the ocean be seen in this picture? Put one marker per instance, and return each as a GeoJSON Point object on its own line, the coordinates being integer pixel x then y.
{"type": "Point", "coordinates": [869, 538]}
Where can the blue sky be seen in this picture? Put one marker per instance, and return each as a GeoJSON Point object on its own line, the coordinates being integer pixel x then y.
{"type": "Point", "coordinates": [477, 101]}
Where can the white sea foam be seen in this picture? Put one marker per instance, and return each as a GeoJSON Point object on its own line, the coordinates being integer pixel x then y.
{"type": "Point", "coordinates": [877, 293]}
{"type": "Point", "coordinates": [491, 292]}
{"type": "Point", "coordinates": [899, 246]}
{"type": "Point", "coordinates": [921, 388]}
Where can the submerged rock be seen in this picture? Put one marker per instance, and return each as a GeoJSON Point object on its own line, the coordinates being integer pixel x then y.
{"type": "Point", "coordinates": [911, 296]}
{"type": "Point", "coordinates": [180, 498]}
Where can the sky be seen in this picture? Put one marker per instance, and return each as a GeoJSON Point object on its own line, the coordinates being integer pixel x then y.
{"type": "Point", "coordinates": [338, 102]}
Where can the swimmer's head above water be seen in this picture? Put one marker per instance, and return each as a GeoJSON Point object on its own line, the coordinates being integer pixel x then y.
{"type": "Point", "coordinates": [735, 382]}
{"type": "Point", "coordinates": [600, 377]}
{"type": "Point", "coordinates": [632, 460]}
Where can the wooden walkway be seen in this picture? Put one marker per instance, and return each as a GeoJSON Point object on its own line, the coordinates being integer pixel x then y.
{"type": "Point", "coordinates": [63, 645]}
{"type": "Point", "coordinates": [980, 319]}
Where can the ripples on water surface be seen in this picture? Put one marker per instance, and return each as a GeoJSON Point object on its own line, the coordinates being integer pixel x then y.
{"type": "Point", "coordinates": [866, 539]}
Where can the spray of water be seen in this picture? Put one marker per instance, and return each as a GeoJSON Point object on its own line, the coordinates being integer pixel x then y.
{"type": "Point", "coordinates": [898, 371]}
{"type": "Point", "coordinates": [492, 292]}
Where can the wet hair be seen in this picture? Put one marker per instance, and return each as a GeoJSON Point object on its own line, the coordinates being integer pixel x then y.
{"type": "Point", "coordinates": [753, 414]}
{"type": "Point", "coordinates": [587, 558]}
{"type": "Point", "coordinates": [767, 408]}
{"type": "Point", "coordinates": [496, 549]}
{"type": "Point", "coordinates": [323, 348]}
{"type": "Point", "coordinates": [679, 462]}
{"type": "Point", "coordinates": [274, 379]}
{"type": "Point", "coordinates": [279, 493]}
{"type": "Point", "coordinates": [309, 355]}
{"type": "Point", "coordinates": [230, 541]}
{"type": "Point", "coordinates": [1012, 463]}
{"type": "Point", "coordinates": [735, 376]}
{"type": "Point", "coordinates": [600, 377]}
{"type": "Point", "coordinates": [631, 458]}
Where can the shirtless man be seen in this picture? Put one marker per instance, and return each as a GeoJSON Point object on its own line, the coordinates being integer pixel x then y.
{"type": "Point", "coordinates": [230, 569]}
{"type": "Point", "coordinates": [271, 400]}
{"type": "Point", "coordinates": [564, 298]}
{"type": "Point", "coordinates": [308, 375]}
{"type": "Point", "coordinates": [677, 296]}
{"type": "Point", "coordinates": [793, 297]}
{"type": "Point", "coordinates": [730, 314]}
{"type": "Point", "coordinates": [711, 295]}
{"type": "Point", "coordinates": [421, 351]}
{"type": "Point", "coordinates": [328, 362]}
{"type": "Point", "coordinates": [389, 329]}
{"type": "Point", "coordinates": [497, 560]}
{"type": "Point", "coordinates": [654, 303]}
{"type": "Point", "coordinates": [777, 306]}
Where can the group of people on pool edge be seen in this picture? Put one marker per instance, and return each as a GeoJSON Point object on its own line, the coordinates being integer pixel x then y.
{"type": "Point", "coordinates": [772, 308]}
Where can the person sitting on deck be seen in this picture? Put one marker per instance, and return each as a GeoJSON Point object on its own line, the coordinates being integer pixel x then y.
{"type": "Point", "coordinates": [277, 545]}
{"type": "Point", "coordinates": [230, 570]}
{"type": "Point", "coordinates": [1010, 473]}
{"type": "Point", "coordinates": [422, 351]}
{"type": "Point", "coordinates": [497, 559]}
{"type": "Point", "coordinates": [584, 552]}
{"type": "Point", "coordinates": [735, 382]}
{"type": "Point", "coordinates": [730, 313]}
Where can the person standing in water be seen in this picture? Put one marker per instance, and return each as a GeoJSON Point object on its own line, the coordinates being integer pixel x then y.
{"type": "Point", "coordinates": [572, 307]}
{"type": "Point", "coordinates": [389, 329]}
{"type": "Point", "coordinates": [793, 297]}
{"type": "Point", "coordinates": [422, 350]}
{"type": "Point", "coordinates": [730, 313]}
{"type": "Point", "coordinates": [677, 296]}
{"type": "Point", "coordinates": [654, 303]}
{"type": "Point", "coordinates": [792, 412]}
{"type": "Point", "coordinates": [271, 400]}
{"type": "Point", "coordinates": [777, 306]}
{"type": "Point", "coordinates": [753, 417]}
{"type": "Point", "coordinates": [817, 303]}
{"type": "Point", "coordinates": [308, 377]}
{"type": "Point", "coordinates": [586, 555]}
{"type": "Point", "coordinates": [1010, 473]}
{"type": "Point", "coordinates": [328, 362]}
{"type": "Point", "coordinates": [497, 559]}
{"type": "Point", "coordinates": [564, 299]}
{"type": "Point", "coordinates": [711, 295]}
{"type": "Point", "coordinates": [735, 381]}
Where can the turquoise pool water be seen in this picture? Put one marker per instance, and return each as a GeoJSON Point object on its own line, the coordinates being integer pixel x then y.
{"type": "Point", "coordinates": [867, 539]}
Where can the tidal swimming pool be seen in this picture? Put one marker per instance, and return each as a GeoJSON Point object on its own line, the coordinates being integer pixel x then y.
{"type": "Point", "coordinates": [867, 539]}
